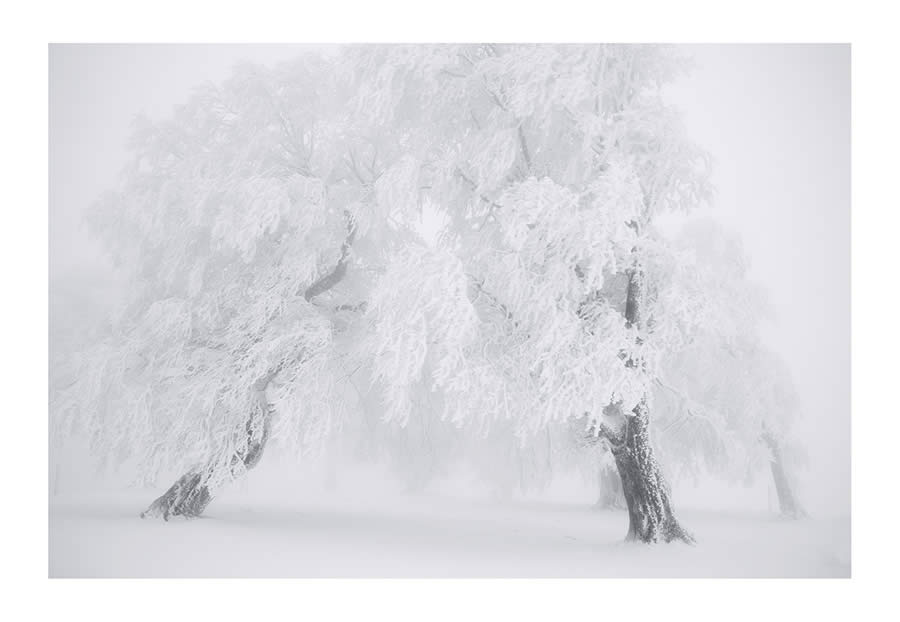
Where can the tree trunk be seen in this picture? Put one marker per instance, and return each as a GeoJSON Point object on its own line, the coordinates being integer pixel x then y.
{"type": "Point", "coordinates": [787, 502]}
{"type": "Point", "coordinates": [191, 493]}
{"type": "Point", "coordinates": [611, 496]}
{"type": "Point", "coordinates": [647, 495]}
{"type": "Point", "coordinates": [187, 497]}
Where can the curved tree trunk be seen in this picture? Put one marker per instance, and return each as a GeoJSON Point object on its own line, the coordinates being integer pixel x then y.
{"type": "Point", "coordinates": [190, 495]}
{"type": "Point", "coordinates": [787, 501]}
{"type": "Point", "coordinates": [647, 496]}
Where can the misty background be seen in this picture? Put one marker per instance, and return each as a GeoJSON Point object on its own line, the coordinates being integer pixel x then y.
{"type": "Point", "coordinates": [774, 117]}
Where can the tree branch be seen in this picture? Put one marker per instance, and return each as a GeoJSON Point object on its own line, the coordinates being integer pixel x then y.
{"type": "Point", "coordinates": [603, 432]}
{"type": "Point", "coordinates": [327, 281]}
{"type": "Point", "coordinates": [524, 145]}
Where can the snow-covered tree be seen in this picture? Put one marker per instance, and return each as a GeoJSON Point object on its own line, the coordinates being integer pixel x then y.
{"type": "Point", "coordinates": [235, 222]}
{"type": "Point", "coordinates": [555, 163]}
{"type": "Point", "coordinates": [728, 402]}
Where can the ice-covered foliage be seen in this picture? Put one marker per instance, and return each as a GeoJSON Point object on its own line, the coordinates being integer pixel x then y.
{"type": "Point", "coordinates": [272, 231]}
{"type": "Point", "coordinates": [720, 389]}
{"type": "Point", "coordinates": [234, 221]}
{"type": "Point", "coordinates": [551, 163]}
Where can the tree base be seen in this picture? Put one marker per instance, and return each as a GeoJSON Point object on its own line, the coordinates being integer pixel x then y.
{"type": "Point", "coordinates": [651, 517]}
{"type": "Point", "coordinates": [187, 497]}
{"type": "Point", "coordinates": [190, 495]}
{"type": "Point", "coordinates": [787, 502]}
{"type": "Point", "coordinates": [667, 533]}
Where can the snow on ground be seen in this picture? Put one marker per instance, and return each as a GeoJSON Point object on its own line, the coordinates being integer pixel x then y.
{"type": "Point", "coordinates": [250, 531]}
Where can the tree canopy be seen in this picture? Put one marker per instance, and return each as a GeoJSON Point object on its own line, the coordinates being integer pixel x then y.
{"type": "Point", "coordinates": [280, 236]}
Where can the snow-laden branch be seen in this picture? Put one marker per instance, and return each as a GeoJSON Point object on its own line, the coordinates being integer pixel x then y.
{"type": "Point", "coordinates": [327, 281]}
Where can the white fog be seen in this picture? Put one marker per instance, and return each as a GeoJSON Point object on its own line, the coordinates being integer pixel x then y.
{"type": "Point", "coordinates": [464, 402]}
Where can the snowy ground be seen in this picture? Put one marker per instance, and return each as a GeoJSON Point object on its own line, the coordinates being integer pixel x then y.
{"type": "Point", "coordinates": [248, 532]}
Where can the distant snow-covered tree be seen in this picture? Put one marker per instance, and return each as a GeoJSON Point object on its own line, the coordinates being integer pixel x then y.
{"type": "Point", "coordinates": [728, 404]}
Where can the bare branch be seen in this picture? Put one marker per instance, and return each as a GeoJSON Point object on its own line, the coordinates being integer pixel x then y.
{"type": "Point", "coordinates": [524, 145]}
{"type": "Point", "coordinates": [326, 282]}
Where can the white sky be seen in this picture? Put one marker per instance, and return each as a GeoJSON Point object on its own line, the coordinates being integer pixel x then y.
{"type": "Point", "coordinates": [775, 117]}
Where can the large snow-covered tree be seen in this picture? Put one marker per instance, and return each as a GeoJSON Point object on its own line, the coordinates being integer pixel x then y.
{"type": "Point", "coordinates": [556, 164]}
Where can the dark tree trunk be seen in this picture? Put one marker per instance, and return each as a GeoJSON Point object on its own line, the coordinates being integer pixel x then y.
{"type": "Point", "coordinates": [611, 496]}
{"type": "Point", "coordinates": [190, 495]}
{"type": "Point", "coordinates": [187, 497]}
{"type": "Point", "coordinates": [787, 502]}
{"type": "Point", "coordinates": [647, 496]}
